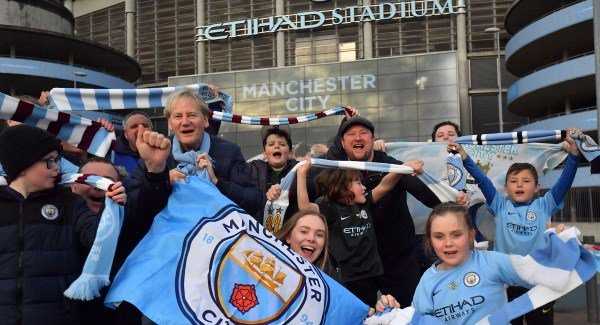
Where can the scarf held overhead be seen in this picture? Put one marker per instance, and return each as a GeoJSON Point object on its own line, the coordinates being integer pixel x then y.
{"type": "Point", "coordinates": [82, 99]}
{"type": "Point", "coordinates": [81, 132]}
{"type": "Point", "coordinates": [275, 210]}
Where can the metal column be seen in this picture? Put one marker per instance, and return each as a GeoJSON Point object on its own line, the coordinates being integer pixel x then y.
{"type": "Point", "coordinates": [280, 38]}
{"type": "Point", "coordinates": [200, 46]}
{"type": "Point", "coordinates": [463, 69]}
{"type": "Point", "coordinates": [367, 35]}
{"type": "Point", "coordinates": [130, 12]}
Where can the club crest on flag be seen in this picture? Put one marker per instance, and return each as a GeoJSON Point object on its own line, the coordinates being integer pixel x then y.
{"type": "Point", "coordinates": [454, 174]}
{"type": "Point", "coordinates": [252, 278]}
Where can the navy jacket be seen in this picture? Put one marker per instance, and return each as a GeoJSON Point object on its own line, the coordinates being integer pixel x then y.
{"type": "Point", "coordinates": [123, 155]}
{"type": "Point", "coordinates": [43, 242]}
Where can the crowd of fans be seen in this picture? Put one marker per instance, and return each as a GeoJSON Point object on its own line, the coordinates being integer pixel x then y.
{"type": "Point", "coordinates": [354, 225]}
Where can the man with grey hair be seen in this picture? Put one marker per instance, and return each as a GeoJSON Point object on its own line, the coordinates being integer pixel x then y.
{"type": "Point", "coordinates": [125, 152]}
{"type": "Point", "coordinates": [188, 118]}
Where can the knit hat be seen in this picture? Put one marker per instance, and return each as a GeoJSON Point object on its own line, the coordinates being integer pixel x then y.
{"type": "Point", "coordinates": [21, 146]}
{"type": "Point", "coordinates": [355, 120]}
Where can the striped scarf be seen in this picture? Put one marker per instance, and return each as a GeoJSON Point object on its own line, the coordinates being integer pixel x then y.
{"type": "Point", "coordinates": [75, 99]}
{"type": "Point", "coordinates": [81, 132]}
{"type": "Point", "coordinates": [96, 269]}
{"type": "Point", "coordinates": [274, 211]}
{"type": "Point", "coordinates": [587, 146]}
{"type": "Point", "coordinates": [81, 99]}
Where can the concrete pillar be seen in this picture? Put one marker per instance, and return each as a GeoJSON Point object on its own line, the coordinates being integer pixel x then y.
{"type": "Point", "coordinates": [463, 69]}
{"type": "Point", "coordinates": [596, 9]}
{"type": "Point", "coordinates": [367, 35]}
{"type": "Point", "coordinates": [200, 46]}
{"type": "Point", "coordinates": [69, 5]}
{"type": "Point", "coordinates": [130, 12]}
{"type": "Point", "coordinates": [280, 38]}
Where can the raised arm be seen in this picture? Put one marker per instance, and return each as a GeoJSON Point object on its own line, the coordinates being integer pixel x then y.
{"type": "Point", "coordinates": [485, 184]}
{"type": "Point", "coordinates": [564, 182]}
{"type": "Point", "coordinates": [302, 193]}
{"type": "Point", "coordinates": [390, 180]}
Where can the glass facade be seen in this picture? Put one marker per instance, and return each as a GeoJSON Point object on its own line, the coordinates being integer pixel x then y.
{"type": "Point", "coordinates": [166, 29]}
{"type": "Point", "coordinates": [403, 96]}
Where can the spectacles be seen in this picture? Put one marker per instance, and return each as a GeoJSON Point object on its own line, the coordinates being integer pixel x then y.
{"type": "Point", "coordinates": [52, 162]}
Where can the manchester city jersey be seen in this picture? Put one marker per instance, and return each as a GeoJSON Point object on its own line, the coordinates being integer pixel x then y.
{"type": "Point", "coordinates": [520, 226]}
{"type": "Point", "coordinates": [469, 292]}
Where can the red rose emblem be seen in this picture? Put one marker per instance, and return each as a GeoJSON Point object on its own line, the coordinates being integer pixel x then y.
{"type": "Point", "coordinates": [243, 297]}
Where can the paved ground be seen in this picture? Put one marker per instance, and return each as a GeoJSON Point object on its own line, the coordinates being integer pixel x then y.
{"type": "Point", "coordinates": [572, 318]}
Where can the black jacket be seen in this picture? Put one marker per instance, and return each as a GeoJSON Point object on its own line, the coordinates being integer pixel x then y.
{"type": "Point", "coordinates": [260, 175]}
{"type": "Point", "coordinates": [43, 242]}
{"type": "Point", "coordinates": [230, 168]}
{"type": "Point", "coordinates": [124, 156]}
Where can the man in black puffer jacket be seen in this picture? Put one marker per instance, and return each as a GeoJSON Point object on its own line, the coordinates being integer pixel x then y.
{"type": "Point", "coordinates": [45, 231]}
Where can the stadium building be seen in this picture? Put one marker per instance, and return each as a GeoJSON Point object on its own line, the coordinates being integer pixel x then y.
{"type": "Point", "coordinates": [551, 51]}
{"type": "Point", "coordinates": [405, 65]}
{"type": "Point", "coordinates": [38, 51]}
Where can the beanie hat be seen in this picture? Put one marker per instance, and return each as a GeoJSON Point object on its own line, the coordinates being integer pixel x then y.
{"type": "Point", "coordinates": [22, 145]}
{"type": "Point", "coordinates": [355, 120]}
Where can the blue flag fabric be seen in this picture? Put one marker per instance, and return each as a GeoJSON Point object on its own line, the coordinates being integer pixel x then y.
{"type": "Point", "coordinates": [205, 261]}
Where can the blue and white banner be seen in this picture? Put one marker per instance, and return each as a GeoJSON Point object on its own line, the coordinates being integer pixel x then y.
{"type": "Point", "coordinates": [208, 262]}
{"type": "Point", "coordinates": [493, 160]}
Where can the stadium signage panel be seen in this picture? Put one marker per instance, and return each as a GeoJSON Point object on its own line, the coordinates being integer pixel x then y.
{"type": "Point", "coordinates": [337, 16]}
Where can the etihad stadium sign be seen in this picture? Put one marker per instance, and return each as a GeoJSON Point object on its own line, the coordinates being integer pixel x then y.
{"type": "Point", "coordinates": [337, 16]}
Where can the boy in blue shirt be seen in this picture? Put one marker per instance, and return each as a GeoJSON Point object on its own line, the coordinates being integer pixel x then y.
{"type": "Point", "coordinates": [521, 216]}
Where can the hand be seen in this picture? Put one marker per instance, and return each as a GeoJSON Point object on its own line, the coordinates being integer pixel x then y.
{"type": "Point", "coordinates": [116, 192]}
{"type": "Point", "coordinates": [379, 145]}
{"type": "Point", "coordinates": [455, 147]}
{"type": "Point", "coordinates": [106, 124]}
{"type": "Point", "coordinates": [386, 301]}
{"type": "Point", "coordinates": [214, 90]}
{"type": "Point", "coordinates": [274, 192]}
{"type": "Point", "coordinates": [569, 145]}
{"type": "Point", "coordinates": [416, 165]}
{"type": "Point", "coordinates": [43, 99]}
{"type": "Point", "coordinates": [304, 169]}
{"type": "Point", "coordinates": [203, 162]}
{"type": "Point", "coordinates": [350, 111]}
{"type": "Point", "coordinates": [175, 176]}
{"type": "Point", "coordinates": [463, 198]}
{"type": "Point", "coordinates": [558, 227]}
{"type": "Point", "coordinates": [154, 148]}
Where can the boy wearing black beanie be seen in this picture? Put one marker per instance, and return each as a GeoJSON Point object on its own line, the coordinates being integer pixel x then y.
{"type": "Point", "coordinates": [44, 233]}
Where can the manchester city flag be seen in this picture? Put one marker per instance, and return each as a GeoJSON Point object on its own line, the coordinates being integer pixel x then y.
{"type": "Point", "coordinates": [205, 261]}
